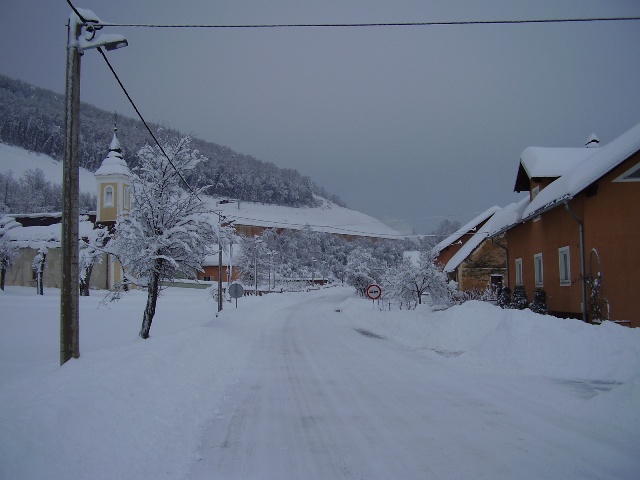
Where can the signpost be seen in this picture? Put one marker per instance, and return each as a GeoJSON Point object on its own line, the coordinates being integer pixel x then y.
{"type": "Point", "coordinates": [236, 291]}
{"type": "Point", "coordinates": [374, 292]}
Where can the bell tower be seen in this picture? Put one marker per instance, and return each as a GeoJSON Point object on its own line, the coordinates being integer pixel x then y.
{"type": "Point", "coordinates": [114, 180]}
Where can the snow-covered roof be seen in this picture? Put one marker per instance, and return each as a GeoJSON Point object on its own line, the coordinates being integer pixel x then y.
{"type": "Point", "coordinates": [500, 220]}
{"type": "Point", "coordinates": [36, 237]}
{"type": "Point", "coordinates": [599, 163]}
{"type": "Point", "coordinates": [212, 260]}
{"type": "Point", "coordinates": [468, 227]}
{"type": "Point", "coordinates": [328, 217]}
{"type": "Point", "coordinates": [114, 164]}
{"type": "Point", "coordinates": [7, 222]}
{"type": "Point", "coordinates": [543, 162]}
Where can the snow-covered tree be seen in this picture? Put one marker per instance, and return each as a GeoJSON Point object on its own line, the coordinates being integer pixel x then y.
{"type": "Point", "coordinates": [360, 269]}
{"type": "Point", "coordinates": [168, 231]}
{"type": "Point", "coordinates": [398, 284]}
{"type": "Point", "coordinates": [409, 282]}
{"type": "Point", "coordinates": [539, 303]}
{"type": "Point", "coordinates": [520, 299]}
{"type": "Point", "coordinates": [504, 298]}
{"type": "Point", "coordinates": [7, 255]}
{"type": "Point", "coordinates": [90, 251]}
{"type": "Point", "coordinates": [38, 266]}
{"type": "Point", "coordinates": [8, 251]}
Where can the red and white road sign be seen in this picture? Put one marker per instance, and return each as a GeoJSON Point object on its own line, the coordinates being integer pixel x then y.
{"type": "Point", "coordinates": [374, 291]}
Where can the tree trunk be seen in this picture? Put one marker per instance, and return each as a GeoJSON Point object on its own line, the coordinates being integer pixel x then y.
{"type": "Point", "coordinates": [152, 299]}
{"type": "Point", "coordinates": [3, 272]}
{"type": "Point", "coordinates": [84, 284]}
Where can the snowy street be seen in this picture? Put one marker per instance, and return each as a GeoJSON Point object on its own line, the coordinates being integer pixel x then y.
{"type": "Point", "coordinates": [322, 399]}
{"type": "Point", "coordinates": [313, 385]}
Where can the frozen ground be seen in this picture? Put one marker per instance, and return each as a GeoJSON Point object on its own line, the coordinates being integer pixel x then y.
{"type": "Point", "coordinates": [313, 385]}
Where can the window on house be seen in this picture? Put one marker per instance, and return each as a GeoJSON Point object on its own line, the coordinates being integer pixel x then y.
{"type": "Point", "coordinates": [518, 271]}
{"type": "Point", "coordinates": [127, 198]}
{"type": "Point", "coordinates": [108, 196]}
{"type": "Point", "coordinates": [565, 266]}
{"type": "Point", "coordinates": [535, 191]}
{"type": "Point", "coordinates": [538, 271]}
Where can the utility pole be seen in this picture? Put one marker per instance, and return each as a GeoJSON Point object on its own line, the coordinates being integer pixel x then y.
{"type": "Point", "coordinates": [219, 271]}
{"type": "Point", "coordinates": [69, 316]}
{"type": "Point", "coordinates": [82, 34]}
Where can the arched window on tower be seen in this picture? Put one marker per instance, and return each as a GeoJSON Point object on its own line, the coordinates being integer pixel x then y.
{"type": "Point", "coordinates": [108, 196]}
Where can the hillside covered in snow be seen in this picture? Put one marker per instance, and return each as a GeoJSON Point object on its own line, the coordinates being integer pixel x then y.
{"type": "Point", "coordinates": [324, 216]}
{"type": "Point", "coordinates": [32, 118]}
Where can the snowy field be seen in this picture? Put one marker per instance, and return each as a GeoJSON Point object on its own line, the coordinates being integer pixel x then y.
{"type": "Point", "coordinates": [140, 409]}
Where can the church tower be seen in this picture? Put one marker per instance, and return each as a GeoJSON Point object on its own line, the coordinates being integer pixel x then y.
{"type": "Point", "coordinates": [114, 180]}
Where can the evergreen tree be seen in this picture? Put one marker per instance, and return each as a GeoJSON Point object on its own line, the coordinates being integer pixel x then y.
{"type": "Point", "coordinates": [539, 303]}
{"type": "Point", "coordinates": [520, 299]}
{"type": "Point", "coordinates": [504, 298]}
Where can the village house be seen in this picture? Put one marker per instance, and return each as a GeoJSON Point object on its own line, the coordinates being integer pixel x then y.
{"type": "Point", "coordinates": [578, 237]}
{"type": "Point", "coordinates": [469, 259]}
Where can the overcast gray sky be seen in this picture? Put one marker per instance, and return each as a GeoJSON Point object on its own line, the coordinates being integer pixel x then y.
{"type": "Point", "coordinates": [409, 124]}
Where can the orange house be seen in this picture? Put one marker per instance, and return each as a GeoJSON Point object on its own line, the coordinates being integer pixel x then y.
{"type": "Point", "coordinates": [579, 238]}
{"type": "Point", "coordinates": [454, 255]}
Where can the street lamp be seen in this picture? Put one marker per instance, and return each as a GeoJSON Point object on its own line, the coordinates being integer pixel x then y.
{"type": "Point", "coordinates": [83, 33]}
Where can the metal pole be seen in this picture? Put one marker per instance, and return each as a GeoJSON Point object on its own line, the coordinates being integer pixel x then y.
{"type": "Point", "coordinates": [69, 324]}
{"type": "Point", "coordinates": [219, 273]}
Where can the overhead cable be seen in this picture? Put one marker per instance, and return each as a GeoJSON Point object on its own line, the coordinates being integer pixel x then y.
{"type": "Point", "coordinates": [382, 24]}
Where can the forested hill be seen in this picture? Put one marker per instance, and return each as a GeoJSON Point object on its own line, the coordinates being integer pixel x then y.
{"type": "Point", "coordinates": [33, 118]}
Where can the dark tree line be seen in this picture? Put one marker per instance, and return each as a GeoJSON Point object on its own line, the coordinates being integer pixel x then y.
{"type": "Point", "coordinates": [33, 118]}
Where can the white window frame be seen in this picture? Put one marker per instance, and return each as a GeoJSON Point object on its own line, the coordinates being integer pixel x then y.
{"type": "Point", "coordinates": [518, 271]}
{"type": "Point", "coordinates": [126, 201]}
{"type": "Point", "coordinates": [108, 198]}
{"type": "Point", "coordinates": [538, 270]}
{"type": "Point", "coordinates": [535, 191]}
{"type": "Point", "coordinates": [564, 261]}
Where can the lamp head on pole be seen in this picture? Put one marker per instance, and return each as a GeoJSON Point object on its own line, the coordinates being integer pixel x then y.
{"type": "Point", "coordinates": [90, 36]}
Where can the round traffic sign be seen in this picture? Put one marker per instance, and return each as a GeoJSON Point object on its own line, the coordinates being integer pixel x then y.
{"type": "Point", "coordinates": [374, 291]}
{"type": "Point", "coordinates": [236, 290]}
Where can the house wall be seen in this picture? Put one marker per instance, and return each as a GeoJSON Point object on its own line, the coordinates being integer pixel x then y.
{"type": "Point", "coordinates": [611, 229]}
{"type": "Point", "coordinates": [475, 272]}
{"type": "Point", "coordinates": [21, 272]}
{"type": "Point", "coordinates": [212, 272]}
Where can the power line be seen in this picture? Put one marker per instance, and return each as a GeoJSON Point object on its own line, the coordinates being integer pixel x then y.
{"type": "Point", "coordinates": [382, 24]}
{"type": "Point", "coordinates": [144, 121]}
{"type": "Point", "coordinates": [84, 21]}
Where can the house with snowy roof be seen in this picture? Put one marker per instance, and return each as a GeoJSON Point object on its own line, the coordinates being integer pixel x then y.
{"type": "Point", "coordinates": [469, 258]}
{"type": "Point", "coordinates": [579, 236]}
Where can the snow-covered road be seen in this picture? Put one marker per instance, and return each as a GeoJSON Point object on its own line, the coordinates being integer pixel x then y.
{"type": "Point", "coordinates": [321, 399]}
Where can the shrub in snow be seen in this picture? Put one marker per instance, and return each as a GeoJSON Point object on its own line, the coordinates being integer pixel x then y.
{"type": "Point", "coordinates": [539, 303]}
{"type": "Point", "coordinates": [504, 298]}
{"type": "Point", "coordinates": [520, 299]}
{"type": "Point", "coordinates": [598, 305]}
